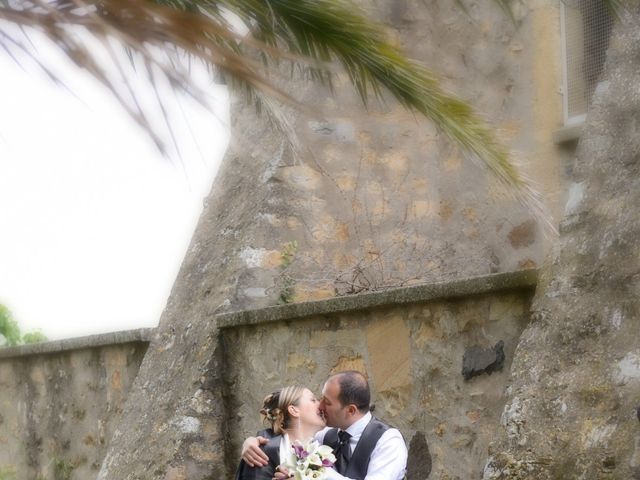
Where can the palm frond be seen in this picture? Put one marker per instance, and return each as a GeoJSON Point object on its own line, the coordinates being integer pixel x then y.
{"type": "Point", "coordinates": [309, 33]}
{"type": "Point", "coordinates": [142, 28]}
{"type": "Point", "coordinates": [328, 29]}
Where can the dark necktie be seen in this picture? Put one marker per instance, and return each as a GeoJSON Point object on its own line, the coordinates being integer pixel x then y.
{"type": "Point", "coordinates": [343, 452]}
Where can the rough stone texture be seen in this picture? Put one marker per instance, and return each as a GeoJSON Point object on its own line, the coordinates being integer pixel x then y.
{"type": "Point", "coordinates": [576, 373]}
{"type": "Point", "coordinates": [60, 403]}
{"type": "Point", "coordinates": [377, 198]}
{"type": "Point", "coordinates": [465, 287]}
{"type": "Point", "coordinates": [419, 463]}
{"type": "Point", "coordinates": [478, 360]}
{"type": "Point", "coordinates": [411, 354]}
{"type": "Point", "coordinates": [373, 199]}
{"type": "Point", "coordinates": [142, 335]}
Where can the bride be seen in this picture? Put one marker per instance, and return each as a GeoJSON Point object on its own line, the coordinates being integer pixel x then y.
{"type": "Point", "coordinates": [294, 414]}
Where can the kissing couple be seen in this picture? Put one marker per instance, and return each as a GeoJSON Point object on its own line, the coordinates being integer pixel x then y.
{"type": "Point", "coordinates": [364, 447]}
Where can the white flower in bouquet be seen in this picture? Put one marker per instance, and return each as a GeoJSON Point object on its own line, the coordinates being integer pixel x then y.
{"type": "Point", "coordinates": [309, 461]}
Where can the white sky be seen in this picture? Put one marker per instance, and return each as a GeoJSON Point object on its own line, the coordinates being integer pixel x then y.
{"type": "Point", "coordinates": [93, 221]}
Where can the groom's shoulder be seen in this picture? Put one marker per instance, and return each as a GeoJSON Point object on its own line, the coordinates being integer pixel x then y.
{"type": "Point", "coordinates": [375, 421]}
{"type": "Point", "coordinates": [388, 430]}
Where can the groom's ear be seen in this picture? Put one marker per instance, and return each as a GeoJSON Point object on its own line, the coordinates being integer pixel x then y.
{"type": "Point", "coordinates": [352, 409]}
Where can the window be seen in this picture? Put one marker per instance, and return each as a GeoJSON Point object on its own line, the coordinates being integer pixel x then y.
{"type": "Point", "coordinates": [586, 28]}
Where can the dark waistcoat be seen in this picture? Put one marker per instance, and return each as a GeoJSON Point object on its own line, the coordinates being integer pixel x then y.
{"type": "Point", "coordinates": [359, 461]}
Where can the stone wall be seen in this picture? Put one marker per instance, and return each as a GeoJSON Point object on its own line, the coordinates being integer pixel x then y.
{"type": "Point", "coordinates": [574, 400]}
{"type": "Point", "coordinates": [61, 401]}
{"type": "Point", "coordinates": [410, 342]}
{"type": "Point", "coordinates": [370, 198]}
{"type": "Point", "coordinates": [366, 199]}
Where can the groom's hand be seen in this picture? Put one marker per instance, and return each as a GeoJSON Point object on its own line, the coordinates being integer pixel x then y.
{"type": "Point", "coordinates": [252, 453]}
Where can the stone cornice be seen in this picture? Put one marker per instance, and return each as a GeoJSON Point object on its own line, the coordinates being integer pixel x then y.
{"type": "Point", "coordinates": [517, 280]}
{"type": "Point", "coordinates": [141, 335]}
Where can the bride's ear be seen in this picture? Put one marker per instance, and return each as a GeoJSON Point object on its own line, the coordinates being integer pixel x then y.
{"type": "Point", "coordinates": [293, 411]}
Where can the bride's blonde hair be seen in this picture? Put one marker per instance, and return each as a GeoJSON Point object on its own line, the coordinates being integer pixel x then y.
{"type": "Point", "coordinates": [275, 407]}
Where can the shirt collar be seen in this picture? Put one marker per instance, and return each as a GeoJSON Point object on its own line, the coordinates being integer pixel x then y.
{"type": "Point", "coordinates": [356, 428]}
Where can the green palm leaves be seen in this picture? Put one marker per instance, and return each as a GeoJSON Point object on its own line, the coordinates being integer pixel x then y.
{"type": "Point", "coordinates": [333, 30]}
{"type": "Point", "coordinates": [311, 34]}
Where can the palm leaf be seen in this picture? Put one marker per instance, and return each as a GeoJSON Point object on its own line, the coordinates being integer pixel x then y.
{"type": "Point", "coordinates": [327, 29]}
{"type": "Point", "coordinates": [308, 33]}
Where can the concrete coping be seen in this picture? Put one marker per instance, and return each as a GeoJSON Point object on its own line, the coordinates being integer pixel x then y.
{"type": "Point", "coordinates": [91, 341]}
{"type": "Point", "coordinates": [517, 280]}
{"type": "Point", "coordinates": [568, 133]}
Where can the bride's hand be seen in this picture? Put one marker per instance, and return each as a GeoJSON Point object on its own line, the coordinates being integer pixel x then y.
{"type": "Point", "coordinates": [281, 473]}
{"type": "Point", "coordinates": [252, 453]}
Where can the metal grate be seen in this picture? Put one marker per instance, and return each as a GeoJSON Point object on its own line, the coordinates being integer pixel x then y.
{"type": "Point", "coordinates": [586, 28]}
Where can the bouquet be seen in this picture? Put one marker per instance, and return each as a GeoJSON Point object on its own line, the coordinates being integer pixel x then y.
{"type": "Point", "coordinates": [309, 461]}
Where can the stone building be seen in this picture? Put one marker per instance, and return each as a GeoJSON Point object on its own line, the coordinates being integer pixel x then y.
{"type": "Point", "coordinates": [363, 200]}
{"type": "Point", "coordinates": [357, 200]}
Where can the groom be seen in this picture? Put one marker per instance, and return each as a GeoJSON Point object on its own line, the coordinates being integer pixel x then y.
{"type": "Point", "coordinates": [365, 448]}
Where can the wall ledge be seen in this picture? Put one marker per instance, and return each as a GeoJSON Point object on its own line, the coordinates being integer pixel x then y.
{"type": "Point", "coordinates": [568, 133]}
{"type": "Point", "coordinates": [517, 280]}
{"type": "Point", "coordinates": [67, 344]}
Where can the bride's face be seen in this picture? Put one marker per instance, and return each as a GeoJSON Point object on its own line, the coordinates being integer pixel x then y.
{"type": "Point", "coordinates": [309, 410]}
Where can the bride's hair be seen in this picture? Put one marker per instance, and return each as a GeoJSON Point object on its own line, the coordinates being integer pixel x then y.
{"type": "Point", "coordinates": [275, 407]}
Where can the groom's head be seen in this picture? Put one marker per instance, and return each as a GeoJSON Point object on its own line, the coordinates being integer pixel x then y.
{"type": "Point", "coordinates": [345, 398]}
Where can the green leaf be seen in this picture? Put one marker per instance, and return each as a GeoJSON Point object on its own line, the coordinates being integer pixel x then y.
{"type": "Point", "coordinates": [9, 328]}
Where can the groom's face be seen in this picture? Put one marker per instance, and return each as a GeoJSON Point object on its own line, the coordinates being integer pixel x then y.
{"type": "Point", "coordinates": [335, 413]}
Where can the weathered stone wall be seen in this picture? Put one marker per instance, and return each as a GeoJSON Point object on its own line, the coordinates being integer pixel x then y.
{"type": "Point", "coordinates": [574, 399]}
{"type": "Point", "coordinates": [61, 401]}
{"type": "Point", "coordinates": [411, 344]}
{"type": "Point", "coordinates": [377, 197]}
{"type": "Point", "coordinates": [374, 198]}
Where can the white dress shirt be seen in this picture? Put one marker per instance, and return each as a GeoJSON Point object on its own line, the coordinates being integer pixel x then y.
{"type": "Point", "coordinates": [388, 459]}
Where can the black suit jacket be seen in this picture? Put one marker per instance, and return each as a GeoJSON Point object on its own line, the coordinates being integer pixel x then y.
{"type": "Point", "coordinates": [272, 449]}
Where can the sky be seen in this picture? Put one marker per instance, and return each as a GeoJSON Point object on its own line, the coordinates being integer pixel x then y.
{"type": "Point", "coordinates": [94, 221]}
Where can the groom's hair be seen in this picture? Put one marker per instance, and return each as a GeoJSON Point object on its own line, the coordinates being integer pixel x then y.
{"type": "Point", "coordinates": [354, 389]}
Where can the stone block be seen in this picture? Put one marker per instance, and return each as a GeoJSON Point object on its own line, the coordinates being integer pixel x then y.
{"type": "Point", "coordinates": [176, 473]}
{"type": "Point", "coordinates": [346, 183]}
{"type": "Point", "coordinates": [504, 308]}
{"type": "Point", "coordinates": [419, 463]}
{"type": "Point", "coordinates": [397, 163]}
{"type": "Point", "coordinates": [523, 235]}
{"type": "Point", "coordinates": [296, 361]}
{"type": "Point", "coordinates": [350, 363]}
{"type": "Point", "coordinates": [393, 402]}
{"type": "Point", "coordinates": [478, 360]}
{"type": "Point", "coordinates": [309, 294]}
{"type": "Point", "coordinates": [424, 335]}
{"type": "Point", "coordinates": [421, 208]}
{"type": "Point", "coordinates": [347, 338]}
{"type": "Point", "coordinates": [301, 177]}
{"type": "Point", "coordinates": [389, 352]}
